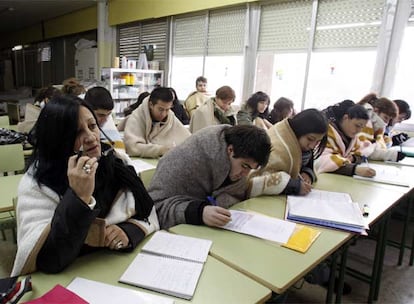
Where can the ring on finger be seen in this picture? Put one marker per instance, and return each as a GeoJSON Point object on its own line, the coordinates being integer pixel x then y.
{"type": "Point", "coordinates": [87, 169]}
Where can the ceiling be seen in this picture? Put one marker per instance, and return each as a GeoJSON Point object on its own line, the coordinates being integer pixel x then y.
{"type": "Point", "coordinates": [18, 14]}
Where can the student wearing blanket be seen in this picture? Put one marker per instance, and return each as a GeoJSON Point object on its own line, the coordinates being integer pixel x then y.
{"type": "Point", "coordinates": [342, 154]}
{"type": "Point", "coordinates": [373, 142]}
{"type": "Point", "coordinates": [296, 142]}
{"type": "Point", "coordinates": [198, 180]}
{"type": "Point", "coordinates": [78, 193]}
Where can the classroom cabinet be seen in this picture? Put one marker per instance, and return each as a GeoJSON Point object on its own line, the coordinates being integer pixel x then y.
{"type": "Point", "coordinates": [126, 84]}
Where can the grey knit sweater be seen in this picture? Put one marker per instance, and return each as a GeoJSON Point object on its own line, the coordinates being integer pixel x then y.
{"type": "Point", "coordinates": [186, 175]}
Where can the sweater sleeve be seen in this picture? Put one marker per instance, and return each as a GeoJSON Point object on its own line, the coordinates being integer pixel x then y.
{"type": "Point", "coordinates": [348, 169]}
{"type": "Point", "coordinates": [69, 228]}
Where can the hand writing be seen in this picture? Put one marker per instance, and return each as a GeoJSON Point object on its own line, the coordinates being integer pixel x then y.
{"type": "Point", "coordinates": [216, 216]}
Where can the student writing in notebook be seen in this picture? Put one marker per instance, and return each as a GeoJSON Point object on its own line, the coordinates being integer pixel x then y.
{"type": "Point", "coordinates": [214, 162]}
{"type": "Point", "coordinates": [342, 154]}
{"type": "Point", "coordinates": [296, 142]}
{"type": "Point", "coordinates": [78, 193]}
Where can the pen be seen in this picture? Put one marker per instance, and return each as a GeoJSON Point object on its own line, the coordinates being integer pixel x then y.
{"type": "Point", "coordinates": [302, 179]}
{"type": "Point", "coordinates": [212, 200]}
{"type": "Point", "coordinates": [365, 160]}
{"type": "Point", "coordinates": [79, 153]}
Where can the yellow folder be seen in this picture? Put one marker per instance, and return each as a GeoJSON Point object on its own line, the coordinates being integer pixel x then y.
{"type": "Point", "coordinates": [302, 238]}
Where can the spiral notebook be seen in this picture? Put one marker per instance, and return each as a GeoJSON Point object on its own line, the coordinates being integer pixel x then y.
{"type": "Point", "coordinates": [169, 263]}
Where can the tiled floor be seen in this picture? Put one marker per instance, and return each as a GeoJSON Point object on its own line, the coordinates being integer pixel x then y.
{"type": "Point", "coordinates": [396, 288]}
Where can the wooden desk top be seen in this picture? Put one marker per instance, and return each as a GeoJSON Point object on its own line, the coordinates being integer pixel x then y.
{"type": "Point", "coordinates": [218, 282]}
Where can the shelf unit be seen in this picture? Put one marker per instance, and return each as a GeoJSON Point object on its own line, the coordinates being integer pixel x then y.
{"type": "Point", "coordinates": [126, 84]}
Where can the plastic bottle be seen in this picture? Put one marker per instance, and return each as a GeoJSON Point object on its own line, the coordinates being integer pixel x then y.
{"type": "Point", "coordinates": [124, 62]}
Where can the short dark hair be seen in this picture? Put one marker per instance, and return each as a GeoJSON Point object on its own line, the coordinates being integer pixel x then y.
{"type": "Point", "coordinates": [225, 93]}
{"type": "Point", "coordinates": [201, 79]}
{"type": "Point", "coordinates": [254, 100]}
{"type": "Point", "coordinates": [249, 142]}
{"type": "Point", "coordinates": [47, 92]}
{"type": "Point", "coordinates": [99, 98]}
{"type": "Point", "coordinates": [403, 107]}
{"type": "Point", "coordinates": [310, 121]}
{"type": "Point", "coordinates": [162, 93]}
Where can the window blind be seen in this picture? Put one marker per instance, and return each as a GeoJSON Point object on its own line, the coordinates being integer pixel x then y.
{"type": "Point", "coordinates": [133, 37]}
{"type": "Point", "coordinates": [226, 31]}
{"type": "Point", "coordinates": [189, 35]}
{"type": "Point", "coordinates": [285, 26]}
{"type": "Point", "coordinates": [348, 23]}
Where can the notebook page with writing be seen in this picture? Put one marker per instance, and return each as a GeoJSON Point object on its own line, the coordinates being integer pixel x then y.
{"type": "Point", "coordinates": [96, 293]}
{"type": "Point", "coordinates": [163, 274]}
{"type": "Point", "coordinates": [386, 174]}
{"type": "Point", "coordinates": [260, 226]}
{"type": "Point", "coordinates": [179, 246]}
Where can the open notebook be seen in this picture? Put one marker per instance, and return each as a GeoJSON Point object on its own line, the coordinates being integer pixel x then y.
{"type": "Point", "coordinates": [326, 208]}
{"type": "Point", "coordinates": [169, 263]}
{"type": "Point", "coordinates": [96, 293]}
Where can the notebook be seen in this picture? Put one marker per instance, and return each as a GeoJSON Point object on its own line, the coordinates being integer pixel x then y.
{"type": "Point", "coordinates": [169, 263]}
{"type": "Point", "coordinates": [260, 226]}
{"type": "Point", "coordinates": [96, 292]}
{"type": "Point", "coordinates": [386, 175]}
{"type": "Point", "coordinates": [326, 208]}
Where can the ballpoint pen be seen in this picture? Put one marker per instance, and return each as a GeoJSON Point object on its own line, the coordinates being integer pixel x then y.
{"type": "Point", "coordinates": [79, 153]}
{"type": "Point", "coordinates": [212, 200]}
{"type": "Point", "coordinates": [365, 160]}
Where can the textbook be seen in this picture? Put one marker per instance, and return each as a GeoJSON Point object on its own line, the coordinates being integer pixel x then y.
{"type": "Point", "coordinates": [261, 226]}
{"type": "Point", "coordinates": [386, 174]}
{"type": "Point", "coordinates": [169, 263]}
{"type": "Point", "coordinates": [302, 238]}
{"type": "Point", "coordinates": [96, 293]}
{"type": "Point", "coordinates": [326, 208]}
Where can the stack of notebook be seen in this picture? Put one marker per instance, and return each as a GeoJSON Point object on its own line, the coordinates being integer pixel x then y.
{"type": "Point", "coordinates": [325, 208]}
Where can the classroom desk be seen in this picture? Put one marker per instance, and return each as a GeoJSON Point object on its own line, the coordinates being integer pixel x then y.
{"type": "Point", "coordinates": [268, 263]}
{"type": "Point", "coordinates": [218, 283]}
{"type": "Point", "coordinates": [380, 198]}
{"type": "Point", "coordinates": [8, 190]}
{"type": "Point", "coordinates": [146, 175]}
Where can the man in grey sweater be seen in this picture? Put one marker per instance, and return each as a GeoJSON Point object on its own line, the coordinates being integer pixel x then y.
{"type": "Point", "coordinates": [195, 182]}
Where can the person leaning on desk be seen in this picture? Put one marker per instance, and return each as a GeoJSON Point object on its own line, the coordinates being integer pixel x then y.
{"type": "Point", "coordinates": [342, 153]}
{"type": "Point", "coordinates": [296, 142]}
{"type": "Point", "coordinates": [197, 180]}
{"type": "Point", "coordinates": [373, 142]}
{"type": "Point", "coordinates": [62, 195]}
